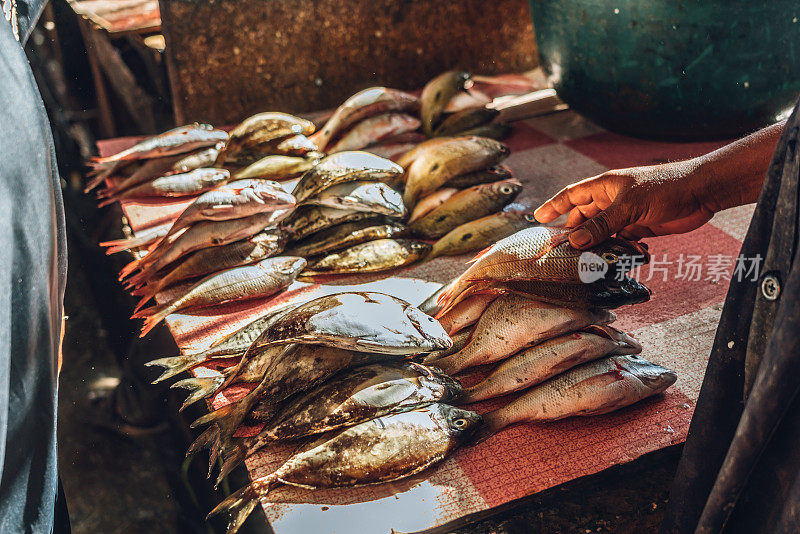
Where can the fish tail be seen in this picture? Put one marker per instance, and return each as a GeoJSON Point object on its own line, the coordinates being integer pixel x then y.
{"type": "Point", "coordinates": [118, 245]}
{"type": "Point", "coordinates": [129, 268]}
{"type": "Point", "coordinates": [200, 388]}
{"type": "Point", "coordinates": [152, 317]}
{"type": "Point", "coordinates": [204, 441]}
{"type": "Point", "coordinates": [231, 461]}
{"type": "Point", "coordinates": [240, 504]}
{"type": "Point", "coordinates": [216, 415]}
{"type": "Point", "coordinates": [174, 365]}
{"type": "Point", "coordinates": [144, 300]}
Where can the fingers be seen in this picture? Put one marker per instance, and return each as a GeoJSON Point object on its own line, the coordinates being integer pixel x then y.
{"type": "Point", "coordinates": [581, 214]}
{"type": "Point", "coordinates": [565, 200]}
{"type": "Point", "coordinates": [600, 227]}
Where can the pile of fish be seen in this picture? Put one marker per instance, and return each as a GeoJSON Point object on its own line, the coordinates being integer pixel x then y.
{"type": "Point", "coordinates": [360, 382]}
{"type": "Point", "coordinates": [268, 186]}
{"type": "Point", "coordinates": [522, 307]}
{"type": "Point", "coordinates": [335, 375]}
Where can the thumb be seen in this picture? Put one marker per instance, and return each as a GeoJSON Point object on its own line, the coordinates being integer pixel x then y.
{"type": "Point", "coordinates": [600, 227]}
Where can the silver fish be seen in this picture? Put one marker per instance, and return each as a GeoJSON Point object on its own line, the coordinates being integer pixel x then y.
{"type": "Point", "coordinates": [593, 388]}
{"type": "Point", "coordinates": [344, 167]}
{"type": "Point", "coordinates": [375, 197]}
{"type": "Point", "coordinates": [549, 358]}
{"type": "Point", "coordinates": [381, 450]}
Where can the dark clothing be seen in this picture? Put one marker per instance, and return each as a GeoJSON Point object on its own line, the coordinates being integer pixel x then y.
{"type": "Point", "coordinates": [740, 470]}
{"type": "Point", "coordinates": [32, 277]}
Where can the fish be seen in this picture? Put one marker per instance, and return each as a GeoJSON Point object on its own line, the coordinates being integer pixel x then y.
{"type": "Point", "coordinates": [296, 145]}
{"type": "Point", "coordinates": [233, 345]}
{"type": "Point", "coordinates": [286, 371]}
{"type": "Point", "coordinates": [481, 233]}
{"type": "Point", "coordinates": [608, 294]}
{"type": "Point", "coordinates": [204, 234]}
{"type": "Point", "coordinates": [127, 174]}
{"type": "Point", "coordinates": [465, 120]}
{"type": "Point", "coordinates": [513, 322]}
{"type": "Point", "coordinates": [364, 321]}
{"type": "Point", "coordinates": [373, 197]}
{"type": "Point", "coordinates": [470, 98]}
{"type": "Point", "coordinates": [195, 160]}
{"type": "Point", "coordinates": [433, 167]}
{"type": "Point", "coordinates": [276, 167]}
{"type": "Point", "coordinates": [174, 185]}
{"type": "Point", "coordinates": [431, 202]}
{"type": "Point", "coordinates": [373, 130]}
{"type": "Point", "coordinates": [550, 358]}
{"type": "Point", "coordinates": [408, 158]}
{"type": "Point", "coordinates": [372, 256]}
{"type": "Point", "coordinates": [460, 341]}
{"type": "Point", "coordinates": [260, 132]}
{"type": "Point", "coordinates": [344, 167]}
{"type": "Point", "coordinates": [495, 130]}
{"type": "Point", "coordinates": [384, 449]}
{"type": "Point", "coordinates": [238, 199]}
{"type": "Point", "coordinates": [143, 238]}
{"type": "Point", "coordinates": [239, 283]}
{"type": "Point", "coordinates": [466, 313]}
{"type": "Point", "coordinates": [365, 393]}
{"type": "Point", "coordinates": [542, 253]}
{"type": "Point", "coordinates": [345, 235]}
{"type": "Point", "coordinates": [309, 220]}
{"type": "Point", "coordinates": [483, 176]}
{"type": "Point", "coordinates": [262, 245]}
{"type": "Point", "coordinates": [437, 93]}
{"type": "Point", "coordinates": [594, 388]}
{"type": "Point", "coordinates": [474, 202]}
{"type": "Point", "coordinates": [390, 151]}
{"type": "Point", "coordinates": [362, 105]}
{"type": "Point", "coordinates": [176, 141]}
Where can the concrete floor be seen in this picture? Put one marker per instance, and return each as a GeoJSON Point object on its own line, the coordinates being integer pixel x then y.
{"type": "Point", "coordinates": [112, 484]}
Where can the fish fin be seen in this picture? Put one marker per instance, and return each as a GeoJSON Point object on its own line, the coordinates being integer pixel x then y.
{"type": "Point", "coordinates": [174, 365]}
{"type": "Point", "coordinates": [119, 245]}
{"type": "Point", "coordinates": [241, 503]}
{"type": "Point", "coordinates": [204, 440]}
{"type": "Point", "coordinates": [152, 320]}
{"type": "Point", "coordinates": [216, 415]}
{"type": "Point", "coordinates": [144, 300]}
{"type": "Point", "coordinates": [106, 201]}
{"type": "Point", "coordinates": [480, 254]}
{"type": "Point", "coordinates": [232, 460]}
{"type": "Point", "coordinates": [146, 312]}
{"type": "Point", "coordinates": [129, 268]}
{"type": "Point", "coordinates": [200, 388]}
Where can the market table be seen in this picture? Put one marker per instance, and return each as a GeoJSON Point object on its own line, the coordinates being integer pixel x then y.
{"type": "Point", "coordinates": [689, 277]}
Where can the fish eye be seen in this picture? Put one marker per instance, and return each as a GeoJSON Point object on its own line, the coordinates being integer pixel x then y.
{"type": "Point", "coordinates": [609, 257]}
{"type": "Point", "coordinates": [530, 218]}
{"type": "Point", "coordinates": [505, 190]}
{"type": "Point", "coordinates": [460, 423]}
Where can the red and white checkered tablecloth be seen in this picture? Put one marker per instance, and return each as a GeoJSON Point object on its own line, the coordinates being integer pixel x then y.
{"type": "Point", "coordinates": [676, 328]}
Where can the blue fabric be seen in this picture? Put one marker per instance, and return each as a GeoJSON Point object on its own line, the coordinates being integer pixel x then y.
{"type": "Point", "coordinates": [32, 277]}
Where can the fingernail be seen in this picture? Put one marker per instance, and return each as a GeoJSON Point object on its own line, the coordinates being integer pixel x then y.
{"type": "Point", "coordinates": [580, 237]}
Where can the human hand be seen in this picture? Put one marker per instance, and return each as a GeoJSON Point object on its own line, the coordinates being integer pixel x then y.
{"type": "Point", "coordinates": [636, 202]}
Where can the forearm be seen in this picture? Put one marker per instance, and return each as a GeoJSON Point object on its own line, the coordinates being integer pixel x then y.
{"type": "Point", "coordinates": [733, 175]}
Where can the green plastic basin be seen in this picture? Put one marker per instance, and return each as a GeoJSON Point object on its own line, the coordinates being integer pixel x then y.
{"type": "Point", "coordinates": [672, 69]}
